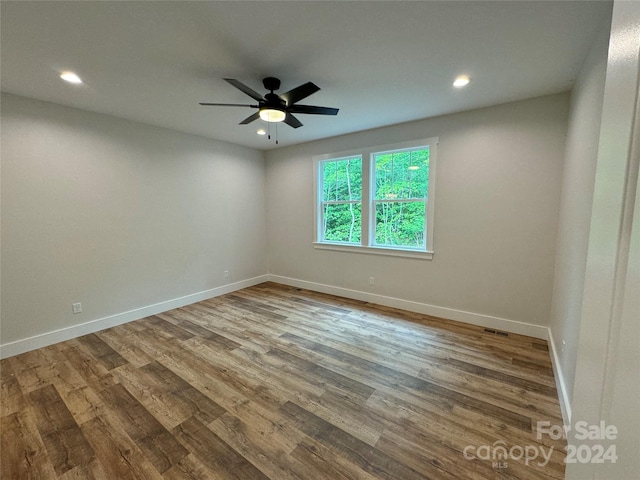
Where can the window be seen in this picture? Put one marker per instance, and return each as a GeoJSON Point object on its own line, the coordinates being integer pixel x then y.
{"type": "Point", "coordinates": [400, 197]}
{"type": "Point", "coordinates": [377, 200]}
{"type": "Point", "coordinates": [341, 200]}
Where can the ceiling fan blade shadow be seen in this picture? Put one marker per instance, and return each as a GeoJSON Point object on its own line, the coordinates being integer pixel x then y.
{"type": "Point", "coordinates": [292, 121]}
{"type": "Point", "coordinates": [243, 88]}
{"type": "Point", "coordinates": [228, 105]}
{"type": "Point", "coordinates": [313, 110]}
{"type": "Point", "coordinates": [250, 118]}
{"type": "Point", "coordinates": [298, 93]}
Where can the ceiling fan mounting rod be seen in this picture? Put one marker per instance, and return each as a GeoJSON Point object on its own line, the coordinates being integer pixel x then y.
{"type": "Point", "coordinates": [271, 83]}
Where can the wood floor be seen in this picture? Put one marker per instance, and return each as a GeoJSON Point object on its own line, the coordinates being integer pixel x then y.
{"type": "Point", "coordinates": [273, 382]}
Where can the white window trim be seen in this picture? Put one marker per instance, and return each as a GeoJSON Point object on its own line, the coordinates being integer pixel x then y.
{"type": "Point", "coordinates": [367, 235]}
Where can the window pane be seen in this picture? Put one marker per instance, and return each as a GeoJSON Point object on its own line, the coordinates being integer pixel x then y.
{"type": "Point", "coordinates": [402, 174]}
{"type": "Point", "coordinates": [400, 224]}
{"type": "Point", "coordinates": [341, 222]}
{"type": "Point", "coordinates": [342, 179]}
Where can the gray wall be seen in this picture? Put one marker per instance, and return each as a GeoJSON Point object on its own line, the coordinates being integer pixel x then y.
{"type": "Point", "coordinates": [118, 215]}
{"type": "Point", "coordinates": [121, 216]}
{"type": "Point", "coordinates": [497, 200]}
{"type": "Point", "coordinates": [575, 209]}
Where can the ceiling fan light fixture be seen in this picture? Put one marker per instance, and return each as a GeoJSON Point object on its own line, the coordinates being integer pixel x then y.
{"type": "Point", "coordinates": [272, 115]}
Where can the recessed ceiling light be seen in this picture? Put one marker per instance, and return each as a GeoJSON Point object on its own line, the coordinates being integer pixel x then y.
{"type": "Point", "coordinates": [414, 167]}
{"type": "Point", "coordinates": [261, 132]}
{"type": "Point", "coordinates": [461, 81]}
{"type": "Point", "coordinates": [70, 77]}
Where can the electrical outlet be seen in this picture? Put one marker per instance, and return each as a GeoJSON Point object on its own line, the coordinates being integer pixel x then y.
{"type": "Point", "coordinates": [372, 281]}
{"type": "Point", "coordinates": [226, 273]}
{"type": "Point", "coordinates": [77, 307]}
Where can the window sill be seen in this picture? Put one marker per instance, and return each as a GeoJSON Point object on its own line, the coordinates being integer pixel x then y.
{"type": "Point", "coordinates": [391, 252]}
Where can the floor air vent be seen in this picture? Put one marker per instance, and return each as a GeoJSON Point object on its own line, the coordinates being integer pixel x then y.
{"type": "Point", "coordinates": [496, 332]}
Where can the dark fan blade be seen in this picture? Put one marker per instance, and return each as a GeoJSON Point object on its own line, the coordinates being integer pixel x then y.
{"type": "Point", "coordinates": [292, 121]}
{"type": "Point", "coordinates": [243, 88]}
{"type": "Point", "coordinates": [313, 110]}
{"type": "Point", "coordinates": [250, 118]}
{"type": "Point", "coordinates": [298, 93]}
{"type": "Point", "coordinates": [229, 105]}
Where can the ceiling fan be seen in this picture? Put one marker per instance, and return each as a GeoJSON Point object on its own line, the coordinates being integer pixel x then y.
{"type": "Point", "coordinates": [277, 108]}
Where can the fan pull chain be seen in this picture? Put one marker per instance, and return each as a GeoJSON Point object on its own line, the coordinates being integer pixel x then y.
{"type": "Point", "coordinates": [269, 132]}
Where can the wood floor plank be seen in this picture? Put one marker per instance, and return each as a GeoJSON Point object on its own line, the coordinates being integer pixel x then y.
{"type": "Point", "coordinates": [254, 307]}
{"type": "Point", "coordinates": [92, 370]}
{"type": "Point", "coordinates": [65, 443]}
{"type": "Point", "coordinates": [38, 369]}
{"type": "Point", "coordinates": [145, 430]}
{"type": "Point", "coordinates": [337, 380]}
{"type": "Point", "coordinates": [376, 341]}
{"type": "Point", "coordinates": [190, 468]}
{"type": "Point", "coordinates": [397, 396]}
{"type": "Point", "coordinates": [425, 345]}
{"type": "Point", "coordinates": [167, 396]}
{"type": "Point", "coordinates": [436, 461]}
{"type": "Point", "coordinates": [11, 398]}
{"type": "Point", "coordinates": [120, 456]}
{"type": "Point", "coordinates": [395, 378]}
{"type": "Point", "coordinates": [83, 403]}
{"type": "Point", "coordinates": [366, 457]}
{"type": "Point", "coordinates": [264, 451]}
{"type": "Point", "coordinates": [118, 339]}
{"type": "Point", "coordinates": [491, 390]}
{"type": "Point", "coordinates": [269, 423]}
{"type": "Point", "coordinates": [504, 378]}
{"type": "Point", "coordinates": [93, 470]}
{"type": "Point", "coordinates": [204, 333]}
{"type": "Point", "coordinates": [102, 351]}
{"type": "Point", "coordinates": [23, 454]}
{"type": "Point", "coordinates": [277, 387]}
{"type": "Point", "coordinates": [508, 395]}
{"type": "Point", "coordinates": [281, 383]}
{"type": "Point", "coordinates": [320, 458]}
{"type": "Point", "coordinates": [155, 397]}
{"type": "Point", "coordinates": [206, 316]}
{"type": "Point", "coordinates": [197, 372]}
{"type": "Point", "coordinates": [215, 453]}
{"type": "Point", "coordinates": [168, 328]}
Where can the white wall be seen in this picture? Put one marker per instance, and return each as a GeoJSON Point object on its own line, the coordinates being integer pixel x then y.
{"type": "Point", "coordinates": [498, 191]}
{"type": "Point", "coordinates": [607, 379]}
{"type": "Point", "coordinates": [118, 215]}
{"type": "Point", "coordinates": [575, 210]}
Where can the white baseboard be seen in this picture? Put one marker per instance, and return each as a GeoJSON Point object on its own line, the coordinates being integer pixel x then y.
{"type": "Point", "coordinates": [488, 321]}
{"type": "Point", "coordinates": [561, 386]}
{"type": "Point", "coordinates": [49, 338]}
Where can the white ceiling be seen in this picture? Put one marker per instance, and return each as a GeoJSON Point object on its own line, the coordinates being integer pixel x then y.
{"type": "Point", "coordinates": [381, 63]}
